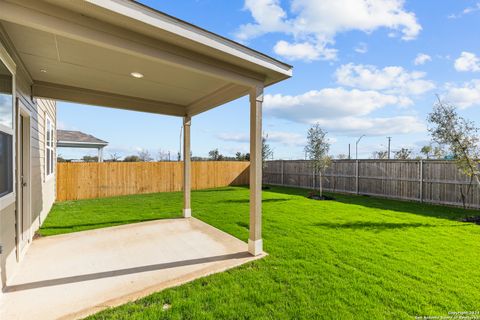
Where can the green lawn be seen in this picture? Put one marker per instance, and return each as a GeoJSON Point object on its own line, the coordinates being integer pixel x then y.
{"type": "Point", "coordinates": [353, 258]}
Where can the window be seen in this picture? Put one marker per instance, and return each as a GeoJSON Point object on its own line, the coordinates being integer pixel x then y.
{"type": "Point", "coordinates": [6, 164]}
{"type": "Point", "coordinates": [6, 130]}
{"type": "Point", "coordinates": [49, 148]}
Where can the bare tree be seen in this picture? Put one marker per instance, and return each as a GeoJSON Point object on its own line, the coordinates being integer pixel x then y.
{"type": "Point", "coordinates": [144, 155]}
{"type": "Point", "coordinates": [380, 155]}
{"type": "Point", "coordinates": [114, 157]}
{"type": "Point", "coordinates": [402, 154]}
{"type": "Point", "coordinates": [342, 156]}
{"type": "Point", "coordinates": [317, 149]}
{"type": "Point", "coordinates": [461, 137]}
{"type": "Point", "coordinates": [163, 155]}
{"type": "Point", "coordinates": [267, 151]}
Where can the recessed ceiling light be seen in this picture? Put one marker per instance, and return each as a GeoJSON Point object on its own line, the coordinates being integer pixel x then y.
{"type": "Point", "coordinates": [137, 75]}
{"type": "Point", "coordinates": [43, 71]}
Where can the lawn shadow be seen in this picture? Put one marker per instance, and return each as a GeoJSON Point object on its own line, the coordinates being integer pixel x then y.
{"type": "Point", "coordinates": [378, 226]}
{"type": "Point", "coordinates": [248, 200]}
{"type": "Point", "coordinates": [422, 209]}
{"type": "Point", "coordinates": [229, 189]}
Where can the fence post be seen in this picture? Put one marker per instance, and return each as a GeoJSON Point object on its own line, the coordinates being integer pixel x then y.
{"type": "Point", "coordinates": [334, 176]}
{"type": "Point", "coordinates": [356, 176]}
{"type": "Point", "coordinates": [282, 172]}
{"type": "Point", "coordinates": [421, 180]}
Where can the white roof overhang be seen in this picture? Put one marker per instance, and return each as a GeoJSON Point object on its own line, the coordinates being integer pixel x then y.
{"type": "Point", "coordinates": [79, 144]}
{"type": "Point", "coordinates": [85, 52]}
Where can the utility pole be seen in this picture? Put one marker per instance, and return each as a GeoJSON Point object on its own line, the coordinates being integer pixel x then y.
{"type": "Point", "coordinates": [389, 141]}
{"type": "Point", "coordinates": [349, 155]}
{"type": "Point", "coordinates": [356, 146]}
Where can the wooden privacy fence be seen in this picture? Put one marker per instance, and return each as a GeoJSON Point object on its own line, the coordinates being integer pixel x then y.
{"type": "Point", "coordinates": [97, 180]}
{"type": "Point", "coordinates": [430, 181]}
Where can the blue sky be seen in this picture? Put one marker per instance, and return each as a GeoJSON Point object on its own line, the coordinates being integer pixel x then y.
{"type": "Point", "coordinates": [358, 69]}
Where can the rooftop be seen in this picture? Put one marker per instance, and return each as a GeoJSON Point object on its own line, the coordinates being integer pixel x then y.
{"type": "Point", "coordinates": [67, 138]}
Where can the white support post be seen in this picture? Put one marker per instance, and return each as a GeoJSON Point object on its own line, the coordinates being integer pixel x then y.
{"type": "Point", "coordinates": [187, 165]}
{"type": "Point", "coordinates": [255, 244]}
{"type": "Point", "coordinates": [100, 154]}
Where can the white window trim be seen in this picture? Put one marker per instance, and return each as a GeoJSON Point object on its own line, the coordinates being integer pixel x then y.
{"type": "Point", "coordinates": [50, 175]}
{"type": "Point", "coordinates": [9, 198]}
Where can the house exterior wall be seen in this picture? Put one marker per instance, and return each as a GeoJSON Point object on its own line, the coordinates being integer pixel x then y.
{"type": "Point", "coordinates": [42, 187]}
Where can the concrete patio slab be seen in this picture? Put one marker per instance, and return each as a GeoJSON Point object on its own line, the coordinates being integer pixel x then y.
{"type": "Point", "coordinates": [71, 276]}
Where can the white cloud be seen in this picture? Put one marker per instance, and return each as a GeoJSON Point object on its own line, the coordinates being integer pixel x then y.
{"type": "Point", "coordinates": [329, 103]}
{"type": "Point", "coordinates": [303, 51]}
{"type": "Point", "coordinates": [466, 11]}
{"type": "Point", "coordinates": [464, 96]}
{"type": "Point", "coordinates": [467, 62]}
{"type": "Point", "coordinates": [286, 138]}
{"type": "Point", "coordinates": [392, 79]}
{"type": "Point", "coordinates": [361, 48]}
{"type": "Point", "coordinates": [318, 22]}
{"type": "Point", "coordinates": [421, 58]}
{"type": "Point", "coordinates": [373, 126]}
{"type": "Point", "coordinates": [344, 111]}
{"type": "Point", "coordinates": [234, 137]}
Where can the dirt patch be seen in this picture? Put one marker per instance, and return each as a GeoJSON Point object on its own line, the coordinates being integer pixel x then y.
{"type": "Point", "coordinates": [316, 196]}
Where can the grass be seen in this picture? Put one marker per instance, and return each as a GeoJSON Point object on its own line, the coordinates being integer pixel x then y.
{"type": "Point", "coordinates": [352, 258]}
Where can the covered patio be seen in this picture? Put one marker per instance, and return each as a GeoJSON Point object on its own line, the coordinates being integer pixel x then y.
{"type": "Point", "coordinates": [116, 265]}
{"type": "Point", "coordinates": [121, 54]}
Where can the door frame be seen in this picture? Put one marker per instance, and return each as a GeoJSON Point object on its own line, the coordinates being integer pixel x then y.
{"type": "Point", "coordinates": [23, 207]}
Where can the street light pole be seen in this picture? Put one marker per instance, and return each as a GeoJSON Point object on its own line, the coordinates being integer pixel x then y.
{"type": "Point", "coordinates": [356, 146]}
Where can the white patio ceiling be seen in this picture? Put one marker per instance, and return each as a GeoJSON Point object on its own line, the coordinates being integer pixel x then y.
{"type": "Point", "coordinates": [85, 52]}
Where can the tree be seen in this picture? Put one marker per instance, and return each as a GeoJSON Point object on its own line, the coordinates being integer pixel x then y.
{"type": "Point", "coordinates": [402, 154]}
{"type": "Point", "coordinates": [132, 158]}
{"type": "Point", "coordinates": [460, 135]}
{"type": "Point", "coordinates": [342, 156]}
{"type": "Point", "coordinates": [427, 151]}
{"type": "Point", "coordinates": [438, 152]}
{"type": "Point", "coordinates": [267, 151]}
{"type": "Point", "coordinates": [114, 157]}
{"type": "Point", "coordinates": [90, 158]}
{"type": "Point", "coordinates": [242, 156]}
{"type": "Point", "coordinates": [60, 158]}
{"type": "Point", "coordinates": [317, 149]}
{"type": "Point", "coordinates": [380, 155]}
{"type": "Point", "coordinates": [163, 155]}
{"type": "Point", "coordinates": [144, 155]}
{"type": "Point", "coordinates": [215, 155]}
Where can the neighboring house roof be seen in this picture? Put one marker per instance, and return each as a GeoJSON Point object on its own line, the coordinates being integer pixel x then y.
{"type": "Point", "coordinates": [78, 139]}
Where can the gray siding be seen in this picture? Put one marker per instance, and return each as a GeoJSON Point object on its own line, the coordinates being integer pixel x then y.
{"type": "Point", "coordinates": [42, 188]}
